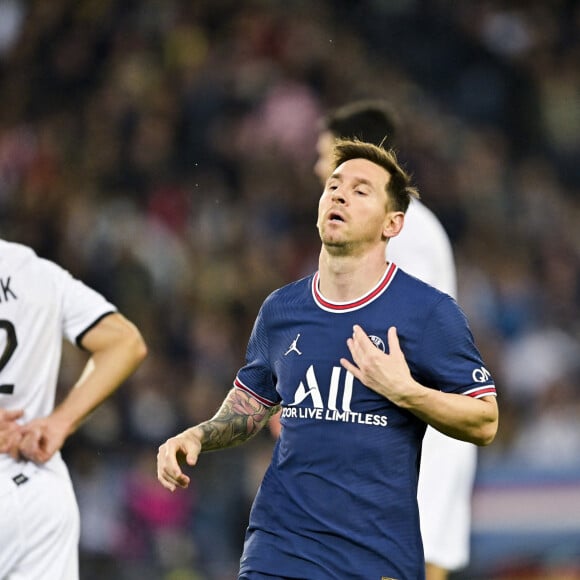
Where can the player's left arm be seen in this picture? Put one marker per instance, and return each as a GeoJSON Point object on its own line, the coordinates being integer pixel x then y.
{"type": "Point", "coordinates": [455, 415]}
{"type": "Point", "coordinates": [117, 349]}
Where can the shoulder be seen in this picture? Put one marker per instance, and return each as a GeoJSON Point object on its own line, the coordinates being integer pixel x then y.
{"type": "Point", "coordinates": [422, 299]}
{"type": "Point", "coordinates": [431, 311]}
{"type": "Point", "coordinates": [290, 295]}
{"type": "Point", "coordinates": [421, 292]}
{"type": "Point", "coordinates": [291, 292]}
{"type": "Point", "coordinates": [14, 254]}
{"type": "Point", "coordinates": [22, 262]}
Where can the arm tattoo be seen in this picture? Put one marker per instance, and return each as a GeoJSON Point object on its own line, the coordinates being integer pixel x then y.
{"type": "Point", "coordinates": [239, 418]}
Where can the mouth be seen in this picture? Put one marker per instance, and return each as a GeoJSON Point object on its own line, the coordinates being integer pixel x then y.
{"type": "Point", "coordinates": [335, 216]}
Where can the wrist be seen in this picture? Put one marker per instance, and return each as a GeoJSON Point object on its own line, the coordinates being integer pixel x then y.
{"type": "Point", "coordinates": [67, 425]}
{"type": "Point", "coordinates": [194, 433]}
{"type": "Point", "coordinates": [413, 396]}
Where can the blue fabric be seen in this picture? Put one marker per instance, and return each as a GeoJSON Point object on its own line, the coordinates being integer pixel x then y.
{"type": "Point", "coordinates": [339, 498]}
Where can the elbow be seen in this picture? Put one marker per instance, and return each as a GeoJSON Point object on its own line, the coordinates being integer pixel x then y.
{"type": "Point", "coordinates": [486, 434]}
{"type": "Point", "coordinates": [489, 423]}
{"type": "Point", "coordinates": [140, 350]}
{"type": "Point", "coordinates": [135, 345]}
{"type": "Point", "coordinates": [486, 438]}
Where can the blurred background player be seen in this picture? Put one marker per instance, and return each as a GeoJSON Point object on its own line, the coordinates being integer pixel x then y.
{"type": "Point", "coordinates": [40, 304]}
{"type": "Point", "coordinates": [422, 249]}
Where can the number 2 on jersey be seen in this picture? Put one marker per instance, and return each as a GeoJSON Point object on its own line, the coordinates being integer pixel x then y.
{"type": "Point", "coordinates": [9, 348]}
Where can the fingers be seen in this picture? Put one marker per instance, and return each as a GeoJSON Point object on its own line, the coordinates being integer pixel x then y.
{"type": "Point", "coordinates": [10, 432]}
{"type": "Point", "coordinates": [361, 341]}
{"type": "Point", "coordinates": [10, 443]}
{"type": "Point", "coordinates": [33, 446]}
{"type": "Point", "coordinates": [356, 343]}
{"type": "Point", "coordinates": [191, 458]}
{"type": "Point", "coordinates": [169, 472]}
{"type": "Point", "coordinates": [8, 424]}
{"type": "Point", "coordinates": [360, 345]}
{"type": "Point", "coordinates": [30, 443]}
{"type": "Point", "coordinates": [364, 351]}
{"type": "Point", "coordinates": [10, 415]}
{"type": "Point", "coordinates": [359, 335]}
{"type": "Point", "coordinates": [393, 340]}
{"type": "Point", "coordinates": [346, 364]}
{"type": "Point", "coordinates": [185, 446]}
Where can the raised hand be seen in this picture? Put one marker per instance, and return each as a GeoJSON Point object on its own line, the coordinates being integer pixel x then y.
{"type": "Point", "coordinates": [386, 374]}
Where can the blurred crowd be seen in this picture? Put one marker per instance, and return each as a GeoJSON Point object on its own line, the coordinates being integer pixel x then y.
{"type": "Point", "coordinates": [163, 153]}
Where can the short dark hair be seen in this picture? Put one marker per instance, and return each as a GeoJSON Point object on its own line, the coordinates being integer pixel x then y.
{"type": "Point", "coordinates": [370, 120]}
{"type": "Point", "coordinates": [400, 189]}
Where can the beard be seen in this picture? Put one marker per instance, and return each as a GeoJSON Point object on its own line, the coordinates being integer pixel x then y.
{"type": "Point", "coordinates": [336, 247]}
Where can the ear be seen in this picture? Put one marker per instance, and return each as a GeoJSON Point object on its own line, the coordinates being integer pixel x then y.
{"type": "Point", "coordinates": [394, 221]}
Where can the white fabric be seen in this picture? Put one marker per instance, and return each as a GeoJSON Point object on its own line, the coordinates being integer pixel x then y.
{"type": "Point", "coordinates": [448, 466]}
{"type": "Point", "coordinates": [42, 304]}
{"type": "Point", "coordinates": [423, 249]}
{"type": "Point", "coordinates": [445, 491]}
{"type": "Point", "coordinates": [39, 530]}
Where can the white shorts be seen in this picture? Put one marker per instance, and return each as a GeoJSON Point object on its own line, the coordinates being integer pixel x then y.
{"type": "Point", "coordinates": [445, 494]}
{"type": "Point", "coordinates": [39, 526]}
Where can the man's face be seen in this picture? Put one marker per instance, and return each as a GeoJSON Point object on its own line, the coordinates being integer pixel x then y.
{"type": "Point", "coordinates": [353, 211]}
{"type": "Point", "coordinates": [324, 164]}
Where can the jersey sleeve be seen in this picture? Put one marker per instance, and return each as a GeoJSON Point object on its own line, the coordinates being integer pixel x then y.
{"type": "Point", "coordinates": [256, 377]}
{"type": "Point", "coordinates": [450, 360]}
{"type": "Point", "coordinates": [82, 307]}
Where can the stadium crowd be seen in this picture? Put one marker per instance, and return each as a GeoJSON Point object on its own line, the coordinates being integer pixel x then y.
{"type": "Point", "coordinates": [163, 152]}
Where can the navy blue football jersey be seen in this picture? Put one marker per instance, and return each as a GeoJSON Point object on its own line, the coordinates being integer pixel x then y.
{"type": "Point", "coordinates": [339, 497]}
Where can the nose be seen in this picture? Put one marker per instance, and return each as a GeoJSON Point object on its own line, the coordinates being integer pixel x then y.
{"type": "Point", "coordinates": [338, 196]}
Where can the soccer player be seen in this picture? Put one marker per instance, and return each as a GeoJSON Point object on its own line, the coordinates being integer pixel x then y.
{"type": "Point", "coordinates": [40, 304]}
{"type": "Point", "coordinates": [422, 249]}
{"type": "Point", "coordinates": [360, 356]}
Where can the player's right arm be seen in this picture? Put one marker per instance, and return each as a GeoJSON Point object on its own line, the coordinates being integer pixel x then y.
{"type": "Point", "coordinates": [239, 418]}
{"type": "Point", "coordinates": [117, 349]}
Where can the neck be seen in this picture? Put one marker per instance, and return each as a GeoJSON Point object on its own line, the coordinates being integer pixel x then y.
{"type": "Point", "coordinates": [346, 278]}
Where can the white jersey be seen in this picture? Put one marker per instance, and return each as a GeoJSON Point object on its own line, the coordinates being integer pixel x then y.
{"type": "Point", "coordinates": [40, 304]}
{"type": "Point", "coordinates": [448, 465]}
{"type": "Point", "coordinates": [423, 249]}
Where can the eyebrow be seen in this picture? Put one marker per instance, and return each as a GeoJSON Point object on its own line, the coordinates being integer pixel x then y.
{"type": "Point", "coordinates": [358, 180]}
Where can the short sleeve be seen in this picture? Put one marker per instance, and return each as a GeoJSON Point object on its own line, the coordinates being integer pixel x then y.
{"type": "Point", "coordinates": [81, 306]}
{"type": "Point", "coordinates": [256, 376]}
{"type": "Point", "coordinates": [449, 359]}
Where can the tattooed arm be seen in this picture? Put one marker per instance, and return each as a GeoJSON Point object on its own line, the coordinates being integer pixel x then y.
{"type": "Point", "coordinates": [239, 418]}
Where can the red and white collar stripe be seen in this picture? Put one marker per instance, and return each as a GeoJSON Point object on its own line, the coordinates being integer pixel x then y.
{"type": "Point", "coordinates": [373, 294]}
